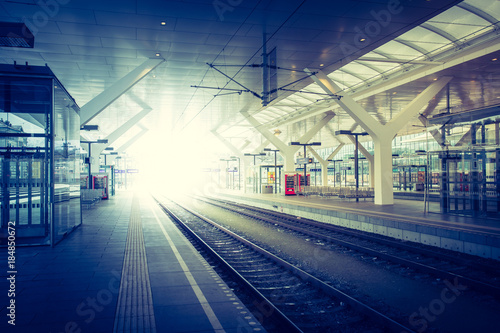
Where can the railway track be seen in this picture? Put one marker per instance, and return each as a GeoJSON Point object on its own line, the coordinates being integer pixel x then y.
{"type": "Point", "coordinates": [472, 273]}
{"type": "Point", "coordinates": [288, 297]}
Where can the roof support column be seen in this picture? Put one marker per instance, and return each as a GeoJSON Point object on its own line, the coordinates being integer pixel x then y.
{"type": "Point", "coordinates": [97, 149]}
{"type": "Point", "coordinates": [324, 166]}
{"type": "Point", "coordinates": [237, 152]}
{"type": "Point", "coordinates": [285, 151]}
{"type": "Point", "coordinates": [369, 158]}
{"type": "Point", "coordinates": [381, 134]}
{"type": "Point", "coordinates": [288, 152]}
{"type": "Point", "coordinates": [131, 141]}
{"type": "Point", "coordinates": [108, 96]}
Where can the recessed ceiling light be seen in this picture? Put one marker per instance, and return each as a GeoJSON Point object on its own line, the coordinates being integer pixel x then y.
{"type": "Point", "coordinates": [494, 59]}
{"type": "Point", "coordinates": [321, 65]}
{"type": "Point", "coordinates": [362, 39]}
{"type": "Point", "coordinates": [158, 54]}
{"type": "Point", "coordinates": [163, 23]}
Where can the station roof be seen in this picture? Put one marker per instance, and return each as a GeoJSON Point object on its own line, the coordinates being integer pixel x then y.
{"type": "Point", "coordinates": [381, 52]}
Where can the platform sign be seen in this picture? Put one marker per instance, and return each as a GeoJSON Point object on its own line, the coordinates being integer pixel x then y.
{"type": "Point", "coordinates": [132, 170]}
{"type": "Point", "coordinates": [304, 160]}
{"type": "Point", "coordinates": [345, 168]}
{"type": "Point", "coordinates": [119, 171]}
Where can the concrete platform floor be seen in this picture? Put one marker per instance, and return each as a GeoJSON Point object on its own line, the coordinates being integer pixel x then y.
{"type": "Point", "coordinates": [126, 269]}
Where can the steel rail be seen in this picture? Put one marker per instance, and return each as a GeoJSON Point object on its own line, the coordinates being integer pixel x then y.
{"type": "Point", "coordinates": [478, 285]}
{"type": "Point", "coordinates": [390, 324]}
{"type": "Point", "coordinates": [276, 314]}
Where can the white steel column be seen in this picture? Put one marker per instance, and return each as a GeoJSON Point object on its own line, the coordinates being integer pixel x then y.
{"type": "Point", "coordinates": [288, 152]}
{"type": "Point", "coordinates": [324, 166]}
{"type": "Point", "coordinates": [261, 147]}
{"type": "Point", "coordinates": [108, 96]}
{"type": "Point", "coordinates": [369, 158]}
{"type": "Point", "coordinates": [382, 135]}
{"type": "Point", "coordinates": [237, 152]}
{"type": "Point", "coordinates": [97, 149]}
{"type": "Point", "coordinates": [317, 127]}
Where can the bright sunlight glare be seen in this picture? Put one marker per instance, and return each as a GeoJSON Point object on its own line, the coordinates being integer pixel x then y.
{"type": "Point", "coordinates": [176, 164]}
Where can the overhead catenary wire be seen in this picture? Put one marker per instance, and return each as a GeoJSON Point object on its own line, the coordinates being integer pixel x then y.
{"type": "Point", "coordinates": [256, 52]}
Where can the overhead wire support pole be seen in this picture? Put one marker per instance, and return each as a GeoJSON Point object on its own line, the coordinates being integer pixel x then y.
{"type": "Point", "coordinates": [311, 92]}
{"type": "Point", "coordinates": [230, 78]}
{"type": "Point", "coordinates": [265, 72]}
{"type": "Point", "coordinates": [235, 91]}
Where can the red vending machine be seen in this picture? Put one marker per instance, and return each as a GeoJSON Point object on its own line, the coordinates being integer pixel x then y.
{"type": "Point", "coordinates": [101, 182]}
{"type": "Point", "coordinates": [300, 182]}
{"type": "Point", "coordinates": [290, 184]}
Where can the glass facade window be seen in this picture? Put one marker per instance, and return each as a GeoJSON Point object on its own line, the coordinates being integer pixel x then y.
{"type": "Point", "coordinates": [39, 156]}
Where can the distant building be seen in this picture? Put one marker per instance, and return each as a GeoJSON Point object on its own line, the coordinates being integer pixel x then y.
{"type": "Point", "coordinates": [7, 127]}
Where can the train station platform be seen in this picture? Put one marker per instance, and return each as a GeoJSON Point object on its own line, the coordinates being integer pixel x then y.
{"type": "Point", "coordinates": [126, 269]}
{"type": "Point", "coordinates": [405, 220]}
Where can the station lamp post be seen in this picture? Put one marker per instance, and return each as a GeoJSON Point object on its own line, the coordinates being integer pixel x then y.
{"type": "Point", "coordinates": [227, 170]}
{"type": "Point", "coordinates": [91, 185]}
{"type": "Point", "coordinates": [275, 167]}
{"type": "Point", "coordinates": [239, 171]}
{"type": "Point", "coordinates": [362, 159]}
{"type": "Point", "coordinates": [335, 171]}
{"type": "Point", "coordinates": [111, 153]}
{"type": "Point", "coordinates": [356, 171]}
{"type": "Point", "coordinates": [254, 162]}
{"type": "Point", "coordinates": [295, 143]}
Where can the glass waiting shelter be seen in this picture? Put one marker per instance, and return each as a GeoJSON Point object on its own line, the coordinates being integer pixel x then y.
{"type": "Point", "coordinates": [39, 156]}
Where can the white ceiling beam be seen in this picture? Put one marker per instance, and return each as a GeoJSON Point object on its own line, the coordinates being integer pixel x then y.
{"type": "Point", "coordinates": [97, 149]}
{"type": "Point", "coordinates": [412, 109]}
{"type": "Point", "coordinates": [317, 127]}
{"type": "Point", "coordinates": [335, 152]}
{"type": "Point", "coordinates": [33, 118]}
{"type": "Point", "coordinates": [261, 147]}
{"type": "Point", "coordinates": [346, 102]}
{"type": "Point", "coordinates": [465, 139]}
{"type": "Point", "coordinates": [131, 141]}
{"type": "Point", "coordinates": [361, 148]}
{"type": "Point", "coordinates": [476, 11]}
{"type": "Point", "coordinates": [456, 59]}
{"type": "Point", "coordinates": [401, 61]}
{"type": "Point", "coordinates": [228, 144]}
{"type": "Point", "coordinates": [431, 68]}
{"type": "Point", "coordinates": [109, 95]}
{"type": "Point", "coordinates": [116, 134]}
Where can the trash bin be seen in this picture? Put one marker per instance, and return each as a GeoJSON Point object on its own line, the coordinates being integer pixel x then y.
{"type": "Point", "coordinates": [267, 189]}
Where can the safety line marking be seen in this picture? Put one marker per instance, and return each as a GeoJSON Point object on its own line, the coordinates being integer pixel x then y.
{"type": "Point", "coordinates": [134, 312]}
{"type": "Point", "coordinates": [212, 317]}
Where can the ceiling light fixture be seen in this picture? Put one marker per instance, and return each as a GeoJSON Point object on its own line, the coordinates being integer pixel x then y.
{"type": "Point", "coordinates": [14, 34]}
{"type": "Point", "coordinates": [362, 39]}
{"type": "Point", "coordinates": [158, 54]}
{"type": "Point", "coordinates": [163, 23]}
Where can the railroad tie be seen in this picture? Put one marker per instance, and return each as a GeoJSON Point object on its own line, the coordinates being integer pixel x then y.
{"type": "Point", "coordinates": [134, 312]}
